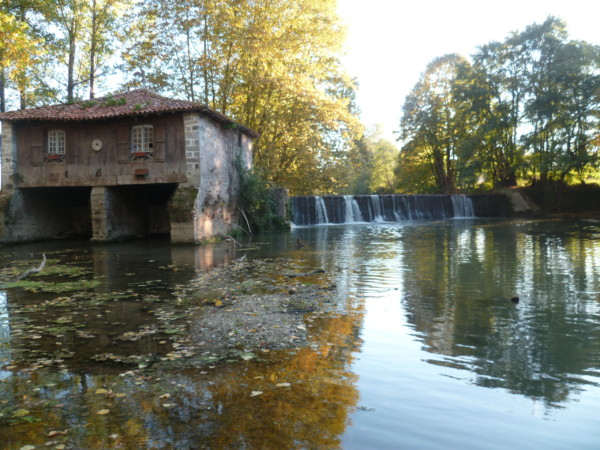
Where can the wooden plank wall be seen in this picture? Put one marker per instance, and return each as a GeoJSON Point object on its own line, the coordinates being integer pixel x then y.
{"type": "Point", "coordinates": [108, 167]}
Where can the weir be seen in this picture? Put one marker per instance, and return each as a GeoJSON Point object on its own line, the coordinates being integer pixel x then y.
{"type": "Point", "coordinates": [316, 210]}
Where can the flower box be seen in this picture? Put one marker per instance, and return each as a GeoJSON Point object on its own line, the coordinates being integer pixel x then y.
{"type": "Point", "coordinates": [140, 154]}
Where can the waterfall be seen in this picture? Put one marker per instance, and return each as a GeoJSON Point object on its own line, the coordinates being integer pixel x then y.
{"type": "Point", "coordinates": [321, 210]}
{"type": "Point", "coordinates": [376, 204]}
{"type": "Point", "coordinates": [378, 208]}
{"type": "Point", "coordinates": [352, 210]}
{"type": "Point", "coordinates": [462, 205]}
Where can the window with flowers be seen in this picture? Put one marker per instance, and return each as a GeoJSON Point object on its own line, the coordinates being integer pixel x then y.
{"type": "Point", "coordinates": [142, 143]}
{"type": "Point", "coordinates": [55, 152]}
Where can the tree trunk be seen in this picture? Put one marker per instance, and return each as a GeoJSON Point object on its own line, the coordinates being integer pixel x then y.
{"type": "Point", "coordinates": [2, 93]}
{"type": "Point", "coordinates": [205, 65]}
{"type": "Point", "coordinates": [71, 62]}
{"type": "Point", "coordinates": [93, 50]}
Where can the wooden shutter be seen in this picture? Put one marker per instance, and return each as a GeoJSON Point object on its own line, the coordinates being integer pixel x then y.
{"type": "Point", "coordinates": [123, 136]}
{"type": "Point", "coordinates": [36, 148]}
{"type": "Point", "coordinates": [160, 142]}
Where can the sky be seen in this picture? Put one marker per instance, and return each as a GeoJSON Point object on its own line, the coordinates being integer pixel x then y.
{"type": "Point", "coordinates": [390, 42]}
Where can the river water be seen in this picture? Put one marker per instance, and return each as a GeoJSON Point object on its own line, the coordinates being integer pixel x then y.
{"type": "Point", "coordinates": [425, 348]}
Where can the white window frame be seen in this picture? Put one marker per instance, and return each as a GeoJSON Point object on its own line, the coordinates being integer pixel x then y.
{"type": "Point", "coordinates": [142, 142]}
{"type": "Point", "coordinates": [57, 142]}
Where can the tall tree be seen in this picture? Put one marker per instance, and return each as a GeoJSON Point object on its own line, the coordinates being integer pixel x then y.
{"type": "Point", "coordinates": [527, 108]}
{"type": "Point", "coordinates": [563, 110]}
{"type": "Point", "coordinates": [273, 66]}
{"type": "Point", "coordinates": [20, 48]}
{"type": "Point", "coordinates": [105, 27]}
{"type": "Point", "coordinates": [431, 127]}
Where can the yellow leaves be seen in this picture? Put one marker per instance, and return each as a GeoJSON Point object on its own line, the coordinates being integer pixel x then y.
{"type": "Point", "coordinates": [271, 66]}
{"type": "Point", "coordinates": [103, 412]}
{"type": "Point", "coordinates": [16, 46]}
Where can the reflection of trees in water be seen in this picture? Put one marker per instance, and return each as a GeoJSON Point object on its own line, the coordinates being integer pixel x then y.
{"type": "Point", "coordinates": [205, 407]}
{"type": "Point", "coordinates": [458, 295]}
{"type": "Point", "coordinates": [4, 328]}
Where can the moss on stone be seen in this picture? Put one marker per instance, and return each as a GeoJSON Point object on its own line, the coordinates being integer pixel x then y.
{"type": "Point", "coordinates": [5, 201]}
{"type": "Point", "coordinates": [181, 205]}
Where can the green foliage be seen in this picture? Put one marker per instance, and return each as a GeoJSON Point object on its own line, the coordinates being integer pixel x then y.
{"type": "Point", "coordinates": [112, 101]}
{"type": "Point", "coordinates": [88, 104]}
{"type": "Point", "coordinates": [527, 108]}
{"type": "Point", "coordinates": [256, 202]}
{"type": "Point", "coordinates": [371, 164]}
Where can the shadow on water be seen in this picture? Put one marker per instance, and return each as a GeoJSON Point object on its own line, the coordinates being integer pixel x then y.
{"type": "Point", "coordinates": [424, 335]}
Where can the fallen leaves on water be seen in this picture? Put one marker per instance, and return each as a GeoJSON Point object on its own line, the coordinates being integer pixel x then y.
{"type": "Point", "coordinates": [103, 412]}
{"type": "Point", "coordinates": [136, 335]}
{"type": "Point", "coordinates": [56, 287]}
{"type": "Point", "coordinates": [57, 433]}
{"type": "Point", "coordinates": [20, 413]}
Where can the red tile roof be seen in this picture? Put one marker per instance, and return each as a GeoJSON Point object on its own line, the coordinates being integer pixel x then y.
{"type": "Point", "coordinates": [139, 102]}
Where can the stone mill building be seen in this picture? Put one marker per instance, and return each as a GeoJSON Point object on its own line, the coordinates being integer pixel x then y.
{"type": "Point", "coordinates": [127, 165]}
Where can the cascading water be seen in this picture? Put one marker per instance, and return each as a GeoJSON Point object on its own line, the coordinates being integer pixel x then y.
{"type": "Point", "coordinates": [352, 210]}
{"type": "Point", "coordinates": [321, 210]}
{"type": "Point", "coordinates": [376, 204]}
{"type": "Point", "coordinates": [378, 208]}
{"type": "Point", "coordinates": [463, 206]}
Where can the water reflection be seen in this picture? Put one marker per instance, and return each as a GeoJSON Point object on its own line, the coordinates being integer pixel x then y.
{"type": "Point", "coordinates": [455, 280]}
{"type": "Point", "coordinates": [4, 330]}
{"type": "Point", "coordinates": [284, 399]}
{"type": "Point", "coordinates": [423, 339]}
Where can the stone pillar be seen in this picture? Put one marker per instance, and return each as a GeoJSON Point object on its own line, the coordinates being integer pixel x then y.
{"type": "Point", "coordinates": [99, 207]}
{"type": "Point", "coordinates": [280, 199]}
{"type": "Point", "coordinates": [181, 214]}
{"type": "Point", "coordinates": [8, 155]}
{"type": "Point", "coordinates": [192, 125]}
{"type": "Point", "coordinates": [117, 213]}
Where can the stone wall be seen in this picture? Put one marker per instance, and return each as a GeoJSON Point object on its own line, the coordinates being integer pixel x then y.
{"type": "Point", "coordinates": [46, 213]}
{"type": "Point", "coordinates": [8, 155]}
{"type": "Point", "coordinates": [191, 124]}
{"type": "Point", "coordinates": [211, 154]}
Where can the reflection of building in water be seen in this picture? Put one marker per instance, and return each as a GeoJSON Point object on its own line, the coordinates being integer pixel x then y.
{"type": "Point", "coordinates": [204, 257]}
{"type": "Point", "coordinates": [4, 328]}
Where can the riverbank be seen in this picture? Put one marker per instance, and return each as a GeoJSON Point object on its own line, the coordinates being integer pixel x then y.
{"type": "Point", "coordinates": [249, 306]}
